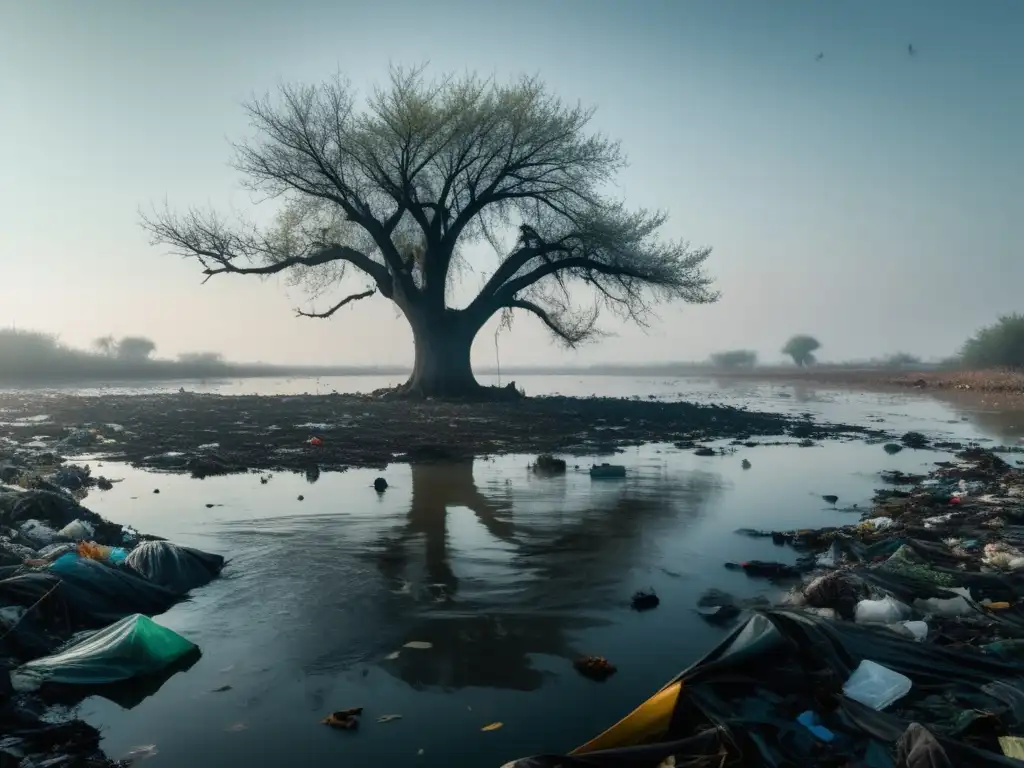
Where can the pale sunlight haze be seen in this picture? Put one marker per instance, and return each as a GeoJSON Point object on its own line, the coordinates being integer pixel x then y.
{"type": "Point", "coordinates": [850, 187]}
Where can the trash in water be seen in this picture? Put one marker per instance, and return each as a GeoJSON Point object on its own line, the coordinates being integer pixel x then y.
{"type": "Point", "coordinates": [745, 464]}
{"type": "Point", "coordinates": [344, 719]}
{"type": "Point", "coordinates": [595, 667]}
{"type": "Point", "coordinates": [419, 645]}
{"type": "Point", "coordinates": [380, 485]}
{"type": "Point", "coordinates": [140, 753]}
{"type": "Point", "coordinates": [829, 498]}
{"type": "Point", "coordinates": [546, 464]}
{"type": "Point", "coordinates": [392, 656]}
{"type": "Point", "coordinates": [179, 569]}
{"type": "Point", "coordinates": [315, 441]}
{"type": "Point", "coordinates": [607, 471]}
{"type": "Point", "coordinates": [134, 647]}
{"type": "Point", "coordinates": [645, 600]}
{"type": "Point", "coordinates": [922, 616]}
{"type": "Point", "coordinates": [492, 727]}
{"type": "Point", "coordinates": [388, 718]}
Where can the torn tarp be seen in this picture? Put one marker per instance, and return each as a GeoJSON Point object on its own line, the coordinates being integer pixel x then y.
{"type": "Point", "coordinates": [738, 706]}
{"type": "Point", "coordinates": [133, 647]}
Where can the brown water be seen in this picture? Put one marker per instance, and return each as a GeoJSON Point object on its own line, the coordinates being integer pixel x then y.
{"type": "Point", "coordinates": [508, 575]}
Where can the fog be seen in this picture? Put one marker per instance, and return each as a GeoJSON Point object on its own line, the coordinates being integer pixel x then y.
{"type": "Point", "coordinates": [870, 197]}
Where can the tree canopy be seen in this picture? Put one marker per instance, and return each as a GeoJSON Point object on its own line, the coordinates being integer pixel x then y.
{"type": "Point", "coordinates": [802, 348]}
{"type": "Point", "coordinates": [1000, 345]}
{"type": "Point", "coordinates": [389, 192]}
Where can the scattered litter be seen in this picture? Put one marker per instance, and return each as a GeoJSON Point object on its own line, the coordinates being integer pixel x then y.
{"type": "Point", "coordinates": [595, 667]}
{"type": "Point", "coordinates": [419, 645]}
{"type": "Point", "coordinates": [78, 530]}
{"type": "Point", "coordinates": [237, 727]}
{"type": "Point", "coordinates": [492, 727]}
{"type": "Point", "coordinates": [388, 718]}
{"type": "Point", "coordinates": [645, 600]}
{"type": "Point", "coordinates": [344, 719]}
{"type": "Point", "coordinates": [393, 655]}
{"type": "Point", "coordinates": [884, 611]}
{"type": "Point", "coordinates": [1012, 746]}
{"type": "Point", "coordinates": [140, 753]}
{"type": "Point", "coordinates": [222, 689]}
{"type": "Point", "coordinates": [876, 686]}
{"type": "Point", "coordinates": [812, 723]}
{"type": "Point", "coordinates": [316, 441]}
{"type": "Point", "coordinates": [546, 464]}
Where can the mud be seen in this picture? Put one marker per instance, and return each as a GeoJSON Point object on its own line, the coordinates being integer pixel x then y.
{"type": "Point", "coordinates": [213, 434]}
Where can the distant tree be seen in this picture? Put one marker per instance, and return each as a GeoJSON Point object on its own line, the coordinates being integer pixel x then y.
{"type": "Point", "coordinates": [735, 358]}
{"type": "Point", "coordinates": [201, 358]}
{"type": "Point", "coordinates": [105, 345]}
{"type": "Point", "coordinates": [1000, 345]}
{"type": "Point", "coordinates": [901, 360]}
{"type": "Point", "coordinates": [801, 348]}
{"type": "Point", "coordinates": [394, 190]}
{"type": "Point", "coordinates": [18, 346]}
{"type": "Point", "coordinates": [135, 348]}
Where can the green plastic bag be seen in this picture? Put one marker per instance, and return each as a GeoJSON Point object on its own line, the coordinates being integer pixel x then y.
{"type": "Point", "coordinates": [133, 647]}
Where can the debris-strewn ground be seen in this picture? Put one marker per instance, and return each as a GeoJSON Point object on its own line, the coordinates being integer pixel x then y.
{"type": "Point", "coordinates": [65, 571]}
{"type": "Point", "coordinates": [210, 434]}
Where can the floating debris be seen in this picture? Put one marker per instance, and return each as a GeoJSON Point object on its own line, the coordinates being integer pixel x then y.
{"type": "Point", "coordinates": [595, 667]}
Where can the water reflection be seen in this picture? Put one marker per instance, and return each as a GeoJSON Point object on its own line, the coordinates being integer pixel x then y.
{"type": "Point", "coordinates": [564, 551]}
{"type": "Point", "coordinates": [435, 489]}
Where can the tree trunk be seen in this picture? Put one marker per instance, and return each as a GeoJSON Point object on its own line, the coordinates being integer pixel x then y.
{"type": "Point", "coordinates": [443, 343]}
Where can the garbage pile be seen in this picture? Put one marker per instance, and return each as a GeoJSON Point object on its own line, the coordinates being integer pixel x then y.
{"type": "Point", "coordinates": [76, 594]}
{"type": "Point", "coordinates": [900, 644]}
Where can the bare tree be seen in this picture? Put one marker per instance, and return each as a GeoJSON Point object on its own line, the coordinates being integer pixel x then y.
{"type": "Point", "coordinates": [392, 192]}
{"type": "Point", "coordinates": [135, 348]}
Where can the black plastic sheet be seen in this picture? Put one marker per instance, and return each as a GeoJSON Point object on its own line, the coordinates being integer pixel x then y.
{"type": "Point", "coordinates": [179, 569]}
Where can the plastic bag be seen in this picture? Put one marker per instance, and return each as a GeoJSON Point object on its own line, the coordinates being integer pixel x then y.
{"type": "Point", "coordinates": [78, 530]}
{"type": "Point", "coordinates": [884, 611]}
{"type": "Point", "coordinates": [947, 607]}
{"type": "Point", "coordinates": [37, 534]}
{"type": "Point", "coordinates": [179, 569]}
{"type": "Point", "coordinates": [876, 686]}
{"type": "Point", "coordinates": [94, 551]}
{"type": "Point", "coordinates": [133, 647]}
{"type": "Point", "coordinates": [919, 629]}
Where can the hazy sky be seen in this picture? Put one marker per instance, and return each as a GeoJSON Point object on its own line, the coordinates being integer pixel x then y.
{"type": "Point", "coordinates": [872, 198]}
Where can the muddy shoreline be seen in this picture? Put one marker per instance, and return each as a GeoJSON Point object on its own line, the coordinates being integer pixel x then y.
{"type": "Point", "coordinates": [1008, 384]}
{"type": "Point", "coordinates": [215, 434]}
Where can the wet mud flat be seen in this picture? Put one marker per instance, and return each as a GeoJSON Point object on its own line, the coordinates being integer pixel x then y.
{"type": "Point", "coordinates": [216, 434]}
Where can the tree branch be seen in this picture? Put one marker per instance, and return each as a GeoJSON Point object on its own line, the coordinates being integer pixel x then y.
{"type": "Point", "coordinates": [339, 305]}
{"type": "Point", "coordinates": [572, 330]}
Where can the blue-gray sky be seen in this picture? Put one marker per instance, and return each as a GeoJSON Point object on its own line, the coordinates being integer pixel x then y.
{"type": "Point", "coordinates": [872, 198]}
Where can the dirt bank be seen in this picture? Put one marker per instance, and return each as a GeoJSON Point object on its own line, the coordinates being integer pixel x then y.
{"type": "Point", "coordinates": [1009, 383]}
{"type": "Point", "coordinates": [207, 434]}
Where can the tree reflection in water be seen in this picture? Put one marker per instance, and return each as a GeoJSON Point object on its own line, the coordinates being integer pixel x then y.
{"type": "Point", "coordinates": [561, 561]}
